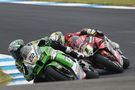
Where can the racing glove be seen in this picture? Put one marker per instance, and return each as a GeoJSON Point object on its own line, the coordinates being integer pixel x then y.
{"type": "Point", "coordinates": [80, 56]}
{"type": "Point", "coordinates": [93, 32]}
{"type": "Point", "coordinates": [41, 43]}
{"type": "Point", "coordinates": [88, 31]}
{"type": "Point", "coordinates": [44, 41]}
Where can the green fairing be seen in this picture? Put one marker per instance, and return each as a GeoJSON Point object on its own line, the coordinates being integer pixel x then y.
{"type": "Point", "coordinates": [64, 60]}
{"type": "Point", "coordinates": [60, 57]}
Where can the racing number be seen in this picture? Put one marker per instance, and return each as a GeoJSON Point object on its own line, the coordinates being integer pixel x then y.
{"type": "Point", "coordinates": [31, 57]}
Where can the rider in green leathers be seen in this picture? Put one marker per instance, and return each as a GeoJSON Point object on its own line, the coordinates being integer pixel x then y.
{"type": "Point", "coordinates": [17, 47]}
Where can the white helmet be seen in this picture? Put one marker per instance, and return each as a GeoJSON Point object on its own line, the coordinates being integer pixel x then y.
{"type": "Point", "coordinates": [14, 48]}
{"type": "Point", "coordinates": [57, 36]}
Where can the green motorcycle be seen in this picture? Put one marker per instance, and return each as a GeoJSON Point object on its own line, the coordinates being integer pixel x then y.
{"type": "Point", "coordinates": [47, 64]}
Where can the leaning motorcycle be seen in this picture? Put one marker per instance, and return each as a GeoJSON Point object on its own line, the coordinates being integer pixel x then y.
{"type": "Point", "coordinates": [100, 52]}
{"type": "Point", "coordinates": [48, 64]}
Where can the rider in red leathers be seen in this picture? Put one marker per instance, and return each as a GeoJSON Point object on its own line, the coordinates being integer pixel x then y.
{"type": "Point", "coordinates": [91, 32]}
{"type": "Point", "coordinates": [58, 36]}
{"type": "Point", "coordinates": [95, 33]}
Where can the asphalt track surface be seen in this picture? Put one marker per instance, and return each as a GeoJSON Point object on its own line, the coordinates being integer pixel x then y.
{"type": "Point", "coordinates": [30, 22]}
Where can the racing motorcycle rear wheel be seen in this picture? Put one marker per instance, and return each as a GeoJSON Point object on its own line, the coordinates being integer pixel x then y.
{"type": "Point", "coordinates": [110, 65]}
{"type": "Point", "coordinates": [55, 74]}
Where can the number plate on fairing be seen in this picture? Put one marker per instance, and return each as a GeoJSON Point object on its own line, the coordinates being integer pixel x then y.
{"type": "Point", "coordinates": [33, 54]}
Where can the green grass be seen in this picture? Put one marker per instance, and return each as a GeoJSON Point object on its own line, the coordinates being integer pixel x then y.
{"type": "Point", "coordinates": [4, 78]}
{"type": "Point", "coordinates": [104, 2]}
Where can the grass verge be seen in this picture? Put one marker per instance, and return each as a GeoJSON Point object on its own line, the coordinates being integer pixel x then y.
{"type": "Point", "coordinates": [4, 78]}
{"type": "Point", "coordinates": [103, 2]}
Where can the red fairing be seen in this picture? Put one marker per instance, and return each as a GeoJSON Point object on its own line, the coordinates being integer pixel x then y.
{"type": "Point", "coordinates": [97, 41]}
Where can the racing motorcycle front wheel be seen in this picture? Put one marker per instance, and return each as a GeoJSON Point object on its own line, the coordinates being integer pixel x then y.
{"type": "Point", "coordinates": [126, 63]}
{"type": "Point", "coordinates": [110, 65]}
{"type": "Point", "coordinates": [91, 73]}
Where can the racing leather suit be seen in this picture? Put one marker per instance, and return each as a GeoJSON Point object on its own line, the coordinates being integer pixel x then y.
{"type": "Point", "coordinates": [43, 42]}
{"type": "Point", "coordinates": [92, 32]}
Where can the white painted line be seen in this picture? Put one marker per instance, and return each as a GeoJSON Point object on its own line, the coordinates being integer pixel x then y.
{"type": "Point", "coordinates": [67, 4]}
{"type": "Point", "coordinates": [117, 7]}
{"type": "Point", "coordinates": [3, 56]}
{"type": "Point", "coordinates": [20, 83]}
{"type": "Point", "coordinates": [11, 71]}
{"type": "Point", "coordinates": [7, 63]}
{"type": "Point", "coordinates": [16, 77]}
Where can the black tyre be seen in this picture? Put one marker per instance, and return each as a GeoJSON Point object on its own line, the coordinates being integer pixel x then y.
{"type": "Point", "coordinates": [91, 73]}
{"type": "Point", "coordinates": [40, 78]}
{"type": "Point", "coordinates": [108, 64]}
{"type": "Point", "coordinates": [126, 63]}
{"type": "Point", "coordinates": [55, 74]}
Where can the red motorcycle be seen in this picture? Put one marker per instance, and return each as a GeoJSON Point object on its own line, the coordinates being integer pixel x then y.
{"type": "Point", "coordinates": [99, 52]}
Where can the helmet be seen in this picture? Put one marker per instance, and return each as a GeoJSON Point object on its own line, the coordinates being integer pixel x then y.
{"type": "Point", "coordinates": [14, 48]}
{"type": "Point", "coordinates": [25, 51]}
{"type": "Point", "coordinates": [57, 36]}
{"type": "Point", "coordinates": [68, 36]}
